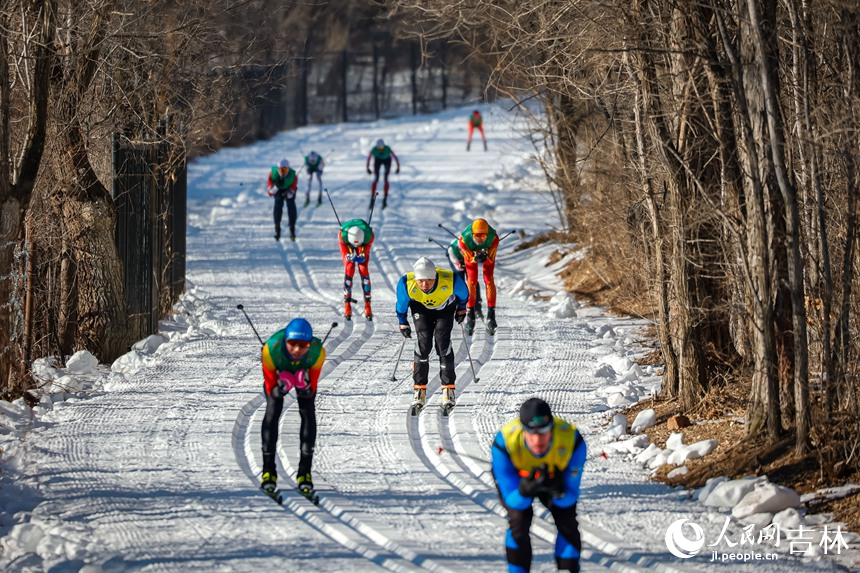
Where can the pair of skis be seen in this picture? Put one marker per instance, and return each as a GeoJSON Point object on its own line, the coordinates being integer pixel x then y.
{"type": "Point", "coordinates": [278, 496]}
{"type": "Point", "coordinates": [417, 407]}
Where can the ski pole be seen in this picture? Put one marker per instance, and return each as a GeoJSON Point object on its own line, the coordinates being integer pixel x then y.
{"type": "Point", "coordinates": [449, 231]}
{"type": "Point", "coordinates": [432, 240]}
{"type": "Point", "coordinates": [396, 364]}
{"type": "Point", "coordinates": [372, 205]}
{"type": "Point", "coordinates": [332, 207]}
{"type": "Point", "coordinates": [506, 234]}
{"type": "Point", "coordinates": [468, 352]}
{"type": "Point", "coordinates": [440, 450]}
{"type": "Point", "coordinates": [242, 308]}
{"type": "Point", "coordinates": [332, 327]}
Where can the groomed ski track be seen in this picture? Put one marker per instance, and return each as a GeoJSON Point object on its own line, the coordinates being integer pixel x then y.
{"type": "Point", "coordinates": [164, 468]}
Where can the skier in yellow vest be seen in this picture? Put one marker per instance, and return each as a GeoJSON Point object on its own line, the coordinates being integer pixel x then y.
{"type": "Point", "coordinates": [435, 298]}
{"type": "Point", "coordinates": [539, 456]}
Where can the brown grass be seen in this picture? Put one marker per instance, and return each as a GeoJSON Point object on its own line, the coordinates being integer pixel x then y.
{"type": "Point", "coordinates": [718, 416]}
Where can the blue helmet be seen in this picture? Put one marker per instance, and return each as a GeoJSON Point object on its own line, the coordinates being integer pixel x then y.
{"type": "Point", "coordinates": [299, 329]}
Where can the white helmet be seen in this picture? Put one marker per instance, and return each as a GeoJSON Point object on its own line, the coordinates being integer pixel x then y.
{"type": "Point", "coordinates": [424, 268]}
{"type": "Point", "coordinates": [355, 236]}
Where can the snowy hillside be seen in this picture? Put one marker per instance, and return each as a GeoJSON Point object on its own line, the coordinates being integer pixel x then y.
{"type": "Point", "coordinates": [155, 466]}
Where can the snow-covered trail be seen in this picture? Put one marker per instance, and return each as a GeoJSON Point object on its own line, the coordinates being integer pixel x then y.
{"type": "Point", "coordinates": [161, 472]}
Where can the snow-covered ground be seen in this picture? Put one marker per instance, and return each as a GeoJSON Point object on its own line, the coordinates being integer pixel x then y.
{"type": "Point", "coordinates": [154, 465]}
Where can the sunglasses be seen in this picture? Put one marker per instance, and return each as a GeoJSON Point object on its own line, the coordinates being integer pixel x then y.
{"type": "Point", "coordinates": [541, 430]}
{"type": "Point", "coordinates": [300, 343]}
{"type": "Point", "coordinates": [480, 235]}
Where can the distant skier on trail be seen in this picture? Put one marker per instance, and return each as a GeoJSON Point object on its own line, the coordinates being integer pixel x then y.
{"type": "Point", "coordinates": [282, 185]}
{"type": "Point", "coordinates": [314, 164]}
{"type": "Point", "coordinates": [355, 239]}
{"type": "Point", "coordinates": [539, 456]}
{"type": "Point", "coordinates": [435, 298]}
{"type": "Point", "coordinates": [381, 155]}
{"type": "Point", "coordinates": [478, 244]}
{"type": "Point", "coordinates": [292, 358]}
{"type": "Point", "coordinates": [476, 121]}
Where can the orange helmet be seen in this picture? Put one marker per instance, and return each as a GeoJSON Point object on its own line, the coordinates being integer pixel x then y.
{"type": "Point", "coordinates": [480, 227]}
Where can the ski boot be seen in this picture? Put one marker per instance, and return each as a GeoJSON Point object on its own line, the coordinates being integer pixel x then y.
{"type": "Point", "coordinates": [347, 308]}
{"type": "Point", "coordinates": [470, 322]}
{"type": "Point", "coordinates": [485, 146]}
{"type": "Point", "coordinates": [307, 199]}
{"type": "Point", "coordinates": [277, 234]}
{"type": "Point", "coordinates": [305, 486]}
{"type": "Point", "coordinates": [293, 237]}
{"type": "Point", "coordinates": [319, 199]}
{"type": "Point", "coordinates": [491, 321]}
{"type": "Point", "coordinates": [368, 313]}
{"type": "Point", "coordinates": [468, 146]}
{"type": "Point", "coordinates": [448, 401]}
{"type": "Point", "coordinates": [419, 398]}
{"type": "Point", "coordinates": [479, 311]}
{"type": "Point", "coordinates": [269, 486]}
{"type": "Point", "coordinates": [384, 202]}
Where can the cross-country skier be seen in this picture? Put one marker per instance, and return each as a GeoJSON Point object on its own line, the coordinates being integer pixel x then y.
{"type": "Point", "coordinates": [314, 164]}
{"type": "Point", "coordinates": [292, 358]}
{"type": "Point", "coordinates": [458, 265]}
{"type": "Point", "coordinates": [381, 155]}
{"type": "Point", "coordinates": [283, 183]}
{"type": "Point", "coordinates": [539, 456]}
{"type": "Point", "coordinates": [478, 243]}
{"type": "Point", "coordinates": [435, 298]}
{"type": "Point", "coordinates": [355, 239]}
{"type": "Point", "coordinates": [476, 121]}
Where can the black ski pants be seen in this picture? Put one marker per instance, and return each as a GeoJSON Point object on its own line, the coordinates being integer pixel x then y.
{"type": "Point", "coordinates": [377, 163]}
{"type": "Point", "coordinates": [433, 326]}
{"type": "Point", "coordinates": [280, 198]}
{"type": "Point", "coordinates": [519, 524]}
{"type": "Point", "coordinates": [307, 433]}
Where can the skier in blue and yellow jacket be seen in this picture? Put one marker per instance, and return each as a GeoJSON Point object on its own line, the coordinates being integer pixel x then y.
{"type": "Point", "coordinates": [539, 456]}
{"type": "Point", "coordinates": [435, 298]}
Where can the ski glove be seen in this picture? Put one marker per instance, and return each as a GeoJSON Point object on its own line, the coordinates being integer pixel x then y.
{"type": "Point", "coordinates": [460, 315]}
{"type": "Point", "coordinates": [536, 483]}
{"type": "Point", "coordinates": [369, 171]}
{"type": "Point", "coordinates": [480, 257]}
{"type": "Point", "coordinates": [359, 259]}
{"type": "Point", "coordinates": [555, 484]}
{"type": "Point", "coordinates": [278, 391]}
{"type": "Point", "coordinates": [406, 331]}
{"type": "Point", "coordinates": [397, 171]}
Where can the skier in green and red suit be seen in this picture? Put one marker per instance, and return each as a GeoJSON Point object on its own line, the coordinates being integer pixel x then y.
{"type": "Point", "coordinates": [381, 155]}
{"type": "Point", "coordinates": [478, 244]}
{"type": "Point", "coordinates": [292, 358]}
{"type": "Point", "coordinates": [282, 185]}
{"type": "Point", "coordinates": [476, 121]}
{"type": "Point", "coordinates": [355, 239]}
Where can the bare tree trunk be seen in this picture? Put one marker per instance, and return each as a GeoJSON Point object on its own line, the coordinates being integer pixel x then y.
{"type": "Point", "coordinates": [17, 181]}
{"type": "Point", "coordinates": [670, 373]}
{"type": "Point", "coordinates": [763, 408]}
{"type": "Point", "coordinates": [762, 26]}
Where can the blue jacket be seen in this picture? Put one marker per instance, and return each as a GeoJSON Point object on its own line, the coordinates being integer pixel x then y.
{"type": "Point", "coordinates": [508, 479]}
{"type": "Point", "coordinates": [461, 296]}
